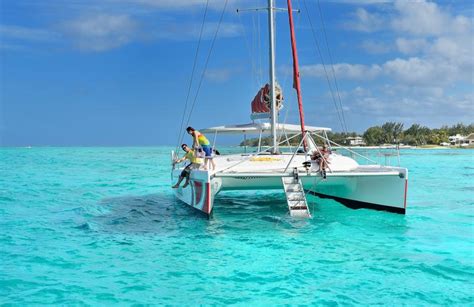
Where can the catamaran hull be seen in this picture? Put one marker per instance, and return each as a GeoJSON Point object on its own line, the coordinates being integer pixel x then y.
{"type": "Point", "coordinates": [199, 194]}
{"type": "Point", "coordinates": [387, 193]}
{"type": "Point", "coordinates": [380, 191]}
{"type": "Point", "coordinates": [373, 190]}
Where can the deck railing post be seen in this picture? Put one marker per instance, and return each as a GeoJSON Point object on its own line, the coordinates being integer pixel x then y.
{"type": "Point", "coordinates": [214, 140]}
{"type": "Point", "coordinates": [348, 149]}
{"type": "Point", "coordinates": [303, 139]}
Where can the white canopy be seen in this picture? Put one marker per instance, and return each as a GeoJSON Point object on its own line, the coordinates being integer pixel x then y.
{"type": "Point", "coordinates": [256, 128]}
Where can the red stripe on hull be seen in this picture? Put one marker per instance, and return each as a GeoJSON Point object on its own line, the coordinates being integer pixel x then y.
{"type": "Point", "coordinates": [197, 191]}
{"type": "Point", "coordinates": [207, 200]}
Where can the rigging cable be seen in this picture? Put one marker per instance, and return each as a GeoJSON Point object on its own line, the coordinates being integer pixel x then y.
{"type": "Point", "coordinates": [249, 49]}
{"type": "Point", "coordinates": [332, 65]}
{"type": "Point", "coordinates": [258, 51]}
{"type": "Point", "coordinates": [205, 65]}
{"type": "Point", "coordinates": [192, 76]}
{"type": "Point", "coordinates": [324, 67]}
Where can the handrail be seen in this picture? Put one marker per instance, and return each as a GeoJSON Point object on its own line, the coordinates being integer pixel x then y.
{"type": "Point", "coordinates": [354, 152]}
{"type": "Point", "coordinates": [303, 139]}
{"type": "Point", "coordinates": [327, 138]}
{"type": "Point", "coordinates": [306, 135]}
{"type": "Point", "coordinates": [173, 157]}
{"type": "Point", "coordinates": [326, 162]}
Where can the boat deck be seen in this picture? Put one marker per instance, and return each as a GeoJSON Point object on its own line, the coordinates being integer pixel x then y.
{"type": "Point", "coordinates": [281, 173]}
{"type": "Point", "coordinates": [275, 165]}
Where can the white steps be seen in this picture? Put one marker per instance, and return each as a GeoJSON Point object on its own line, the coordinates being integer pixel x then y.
{"type": "Point", "coordinates": [295, 197]}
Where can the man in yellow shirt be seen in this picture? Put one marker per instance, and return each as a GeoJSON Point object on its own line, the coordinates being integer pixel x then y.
{"type": "Point", "coordinates": [195, 164]}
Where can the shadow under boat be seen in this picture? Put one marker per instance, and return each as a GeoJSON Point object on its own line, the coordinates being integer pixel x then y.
{"type": "Point", "coordinates": [150, 213]}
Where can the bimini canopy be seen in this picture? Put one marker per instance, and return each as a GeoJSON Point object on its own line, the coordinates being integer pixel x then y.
{"type": "Point", "coordinates": [257, 128]}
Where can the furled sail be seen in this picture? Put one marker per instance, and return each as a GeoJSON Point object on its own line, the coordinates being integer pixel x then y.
{"type": "Point", "coordinates": [261, 104]}
{"type": "Point", "coordinates": [296, 72]}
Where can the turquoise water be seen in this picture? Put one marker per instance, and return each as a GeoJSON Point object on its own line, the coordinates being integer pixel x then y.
{"type": "Point", "coordinates": [101, 226]}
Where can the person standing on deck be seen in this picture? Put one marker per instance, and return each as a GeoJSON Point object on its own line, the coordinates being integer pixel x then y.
{"type": "Point", "coordinates": [200, 141]}
{"type": "Point", "coordinates": [195, 164]}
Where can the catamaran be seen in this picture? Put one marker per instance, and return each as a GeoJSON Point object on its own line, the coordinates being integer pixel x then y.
{"type": "Point", "coordinates": [292, 169]}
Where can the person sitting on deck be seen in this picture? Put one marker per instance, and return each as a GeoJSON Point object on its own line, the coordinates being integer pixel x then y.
{"type": "Point", "coordinates": [200, 141]}
{"type": "Point", "coordinates": [321, 157]}
{"type": "Point", "coordinates": [195, 164]}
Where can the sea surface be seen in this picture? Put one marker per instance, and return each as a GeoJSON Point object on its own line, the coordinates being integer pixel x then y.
{"type": "Point", "coordinates": [101, 226]}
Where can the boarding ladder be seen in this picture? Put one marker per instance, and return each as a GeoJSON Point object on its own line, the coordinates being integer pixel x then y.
{"type": "Point", "coordinates": [295, 196]}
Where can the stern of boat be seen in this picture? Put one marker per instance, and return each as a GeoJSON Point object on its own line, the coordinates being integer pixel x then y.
{"type": "Point", "coordinates": [200, 192]}
{"type": "Point", "coordinates": [371, 187]}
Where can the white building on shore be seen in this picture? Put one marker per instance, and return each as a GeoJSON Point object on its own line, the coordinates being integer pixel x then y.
{"type": "Point", "coordinates": [456, 139]}
{"type": "Point", "coordinates": [461, 140]}
{"type": "Point", "coordinates": [470, 139]}
{"type": "Point", "coordinates": [355, 141]}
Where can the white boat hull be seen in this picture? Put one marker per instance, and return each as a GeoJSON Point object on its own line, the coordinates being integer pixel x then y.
{"type": "Point", "coordinates": [198, 194]}
{"type": "Point", "coordinates": [374, 187]}
{"type": "Point", "coordinates": [381, 191]}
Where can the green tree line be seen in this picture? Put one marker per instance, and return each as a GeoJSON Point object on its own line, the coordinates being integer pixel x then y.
{"type": "Point", "coordinates": [388, 133]}
{"type": "Point", "coordinates": [393, 133]}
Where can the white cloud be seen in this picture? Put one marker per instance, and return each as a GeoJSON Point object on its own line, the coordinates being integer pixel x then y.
{"type": "Point", "coordinates": [419, 18]}
{"type": "Point", "coordinates": [364, 21]}
{"type": "Point", "coordinates": [190, 31]}
{"type": "Point", "coordinates": [427, 18]}
{"type": "Point", "coordinates": [417, 71]}
{"type": "Point", "coordinates": [360, 91]}
{"type": "Point", "coordinates": [171, 3]}
{"type": "Point", "coordinates": [363, 2]}
{"type": "Point", "coordinates": [411, 71]}
{"type": "Point", "coordinates": [440, 44]}
{"type": "Point", "coordinates": [101, 32]}
{"type": "Point", "coordinates": [181, 4]}
{"type": "Point", "coordinates": [375, 47]}
{"type": "Point", "coordinates": [426, 105]}
{"type": "Point", "coordinates": [101, 25]}
{"type": "Point", "coordinates": [411, 46]}
{"type": "Point", "coordinates": [342, 70]}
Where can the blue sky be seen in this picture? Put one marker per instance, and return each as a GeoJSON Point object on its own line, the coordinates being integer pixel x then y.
{"type": "Point", "coordinates": [116, 72]}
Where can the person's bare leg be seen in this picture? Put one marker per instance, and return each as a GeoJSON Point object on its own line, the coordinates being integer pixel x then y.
{"type": "Point", "coordinates": [206, 162]}
{"type": "Point", "coordinates": [186, 183]}
{"type": "Point", "coordinates": [323, 171]}
{"type": "Point", "coordinates": [178, 183]}
{"type": "Point", "coordinates": [213, 164]}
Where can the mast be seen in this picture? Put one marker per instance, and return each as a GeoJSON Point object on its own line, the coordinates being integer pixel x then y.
{"type": "Point", "coordinates": [274, 111]}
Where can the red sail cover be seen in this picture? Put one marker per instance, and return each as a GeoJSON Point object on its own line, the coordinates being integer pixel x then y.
{"type": "Point", "coordinates": [261, 103]}
{"type": "Point", "coordinates": [258, 103]}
